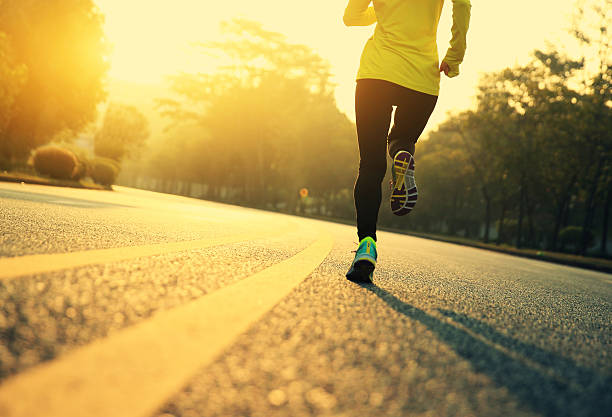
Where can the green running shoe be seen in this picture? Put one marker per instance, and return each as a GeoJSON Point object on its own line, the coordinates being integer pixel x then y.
{"type": "Point", "coordinates": [362, 268]}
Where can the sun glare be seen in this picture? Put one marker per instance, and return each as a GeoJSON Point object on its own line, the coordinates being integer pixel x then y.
{"type": "Point", "coordinates": [153, 39]}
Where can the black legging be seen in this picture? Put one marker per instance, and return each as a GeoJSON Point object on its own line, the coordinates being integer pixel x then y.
{"type": "Point", "coordinates": [374, 101]}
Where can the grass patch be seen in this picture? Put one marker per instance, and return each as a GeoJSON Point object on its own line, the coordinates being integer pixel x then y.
{"type": "Point", "coordinates": [40, 180]}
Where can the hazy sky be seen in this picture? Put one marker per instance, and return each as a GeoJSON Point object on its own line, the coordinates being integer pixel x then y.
{"type": "Point", "coordinates": [151, 38]}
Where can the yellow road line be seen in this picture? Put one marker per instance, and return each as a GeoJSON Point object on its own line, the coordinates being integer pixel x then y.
{"type": "Point", "coordinates": [35, 264]}
{"type": "Point", "coordinates": [134, 371]}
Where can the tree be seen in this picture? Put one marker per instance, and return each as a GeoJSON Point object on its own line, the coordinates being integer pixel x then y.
{"type": "Point", "coordinates": [539, 148]}
{"type": "Point", "coordinates": [12, 78]}
{"type": "Point", "coordinates": [124, 130]}
{"type": "Point", "coordinates": [547, 135]}
{"type": "Point", "coordinates": [269, 122]}
{"type": "Point", "coordinates": [591, 29]}
{"type": "Point", "coordinates": [62, 44]}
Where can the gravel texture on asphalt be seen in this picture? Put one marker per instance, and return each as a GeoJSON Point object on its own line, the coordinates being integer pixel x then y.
{"type": "Point", "coordinates": [440, 334]}
{"type": "Point", "coordinates": [445, 331]}
{"type": "Point", "coordinates": [46, 315]}
{"type": "Point", "coordinates": [56, 224]}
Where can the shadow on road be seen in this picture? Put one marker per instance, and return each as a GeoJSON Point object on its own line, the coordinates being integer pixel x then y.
{"type": "Point", "coordinates": [559, 387]}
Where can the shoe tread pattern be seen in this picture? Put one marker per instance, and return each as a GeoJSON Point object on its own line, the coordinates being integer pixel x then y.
{"type": "Point", "coordinates": [403, 200]}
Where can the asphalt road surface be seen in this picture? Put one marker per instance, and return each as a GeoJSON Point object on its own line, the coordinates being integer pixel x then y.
{"type": "Point", "coordinates": [131, 303]}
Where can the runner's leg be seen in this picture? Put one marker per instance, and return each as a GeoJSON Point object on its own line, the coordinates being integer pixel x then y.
{"type": "Point", "coordinates": [411, 115]}
{"type": "Point", "coordinates": [373, 117]}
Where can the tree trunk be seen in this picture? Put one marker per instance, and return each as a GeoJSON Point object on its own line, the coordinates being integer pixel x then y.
{"type": "Point", "coordinates": [500, 228]}
{"type": "Point", "coordinates": [529, 206]}
{"type": "Point", "coordinates": [452, 224]}
{"type": "Point", "coordinates": [561, 207]}
{"type": "Point", "coordinates": [487, 214]}
{"type": "Point", "coordinates": [590, 209]}
{"type": "Point", "coordinates": [261, 196]}
{"type": "Point", "coordinates": [604, 231]}
{"type": "Point", "coordinates": [531, 239]}
{"type": "Point", "coordinates": [519, 231]}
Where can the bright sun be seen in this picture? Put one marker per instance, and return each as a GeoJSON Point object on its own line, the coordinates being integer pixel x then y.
{"type": "Point", "coordinates": [152, 39]}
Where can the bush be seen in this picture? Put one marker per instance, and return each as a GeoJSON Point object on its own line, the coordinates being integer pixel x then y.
{"type": "Point", "coordinates": [56, 162]}
{"type": "Point", "coordinates": [104, 171]}
{"type": "Point", "coordinates": [572, 235]}
{"type": "Point", "coordinates": [83, 166]}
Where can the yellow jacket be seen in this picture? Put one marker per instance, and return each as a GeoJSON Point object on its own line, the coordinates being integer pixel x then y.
{"type": "Point", "coordinates": [403, 49]}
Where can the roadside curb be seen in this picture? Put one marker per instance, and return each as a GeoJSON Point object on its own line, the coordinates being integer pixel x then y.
{"type": "Point", "coordinates": [594, 266]}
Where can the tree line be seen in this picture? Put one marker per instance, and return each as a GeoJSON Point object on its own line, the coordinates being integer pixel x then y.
{"type": "Point", "coordinates": [53, 67]}
{"type": "Point", "coordinates": [533, 161]}
{"type": "Point", "coordinates": [261, 128]}
{"type": "Point", "coordinates": [529, 166]}
{"type": "Point", "coordinates": [53, 60]}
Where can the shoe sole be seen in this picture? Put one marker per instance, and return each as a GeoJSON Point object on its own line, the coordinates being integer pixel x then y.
{"type": "Point", "coordinates": [404, 194]}
{"type": "Point", "coordinates": [361, 272]}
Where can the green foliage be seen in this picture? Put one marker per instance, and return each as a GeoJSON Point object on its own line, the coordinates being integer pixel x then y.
{"type": "Point", "coordinates": [572, 236]}
{"type": "Point", "coordinates": [264, 127]}
{"type": "Point", "coordinates": [535, 149]}
{"type": "Point", "coordinates": [56, 162]}
{"type": "Point", "coordinates": [535, 155]}
{"type": "Point", "coordinates": [12, 78]}
{"type": "Point", "coordinates": [507, 231]}
{"type": "Point", "coordinates": [104, 171]}
{"type": "Point", "coordinates": [124, 130]}
{"type": "Point", "coordinates": [62, 46]}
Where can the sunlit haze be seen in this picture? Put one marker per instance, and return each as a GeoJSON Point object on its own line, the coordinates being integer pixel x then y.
{"type": "Point", "coordinates": [154, 39]}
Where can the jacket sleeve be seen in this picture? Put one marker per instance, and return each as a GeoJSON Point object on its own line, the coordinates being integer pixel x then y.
{"type": "Point", "coordinates": [358, 13]}
{"type": "Point", "coordinates": [461, 22]}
